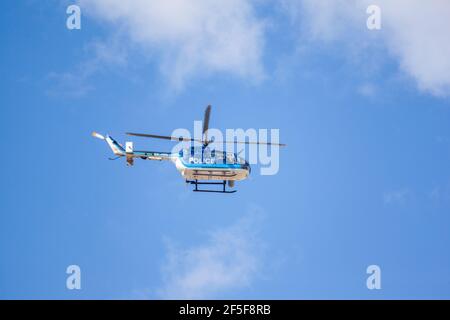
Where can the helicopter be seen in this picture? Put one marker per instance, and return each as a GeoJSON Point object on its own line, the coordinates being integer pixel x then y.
{"type": "Point", "coordinates": [195, 164]}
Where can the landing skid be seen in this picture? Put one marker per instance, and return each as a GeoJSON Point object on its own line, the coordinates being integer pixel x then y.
{"type": "Point", "coordinates": [197, 183]}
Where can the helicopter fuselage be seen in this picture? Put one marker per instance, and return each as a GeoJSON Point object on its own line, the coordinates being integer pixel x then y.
{"type": "Point", "coordinates": [204, 164]}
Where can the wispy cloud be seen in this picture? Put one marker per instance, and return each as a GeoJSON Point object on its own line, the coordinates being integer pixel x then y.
{"type": "Point", "coordinates": [440, 193]}
{"type": "Point", "coordinates": [415, 32]}
{"type": "Point", "coordinates": [399, 196]}
{"type": "Point", "coordinates": [78, 82]}
{"type": "Point", "coordinates": [368, 90]}
{"type": "Point", "coordinates": [229, 260]}
{"type": "Point", "coordinates": [69, 84]}
{"type": "Point", "coordinates": [190, 38]}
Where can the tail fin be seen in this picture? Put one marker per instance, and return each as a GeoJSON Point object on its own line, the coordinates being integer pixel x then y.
{"type": "Point", "coordinates": [113, 144]}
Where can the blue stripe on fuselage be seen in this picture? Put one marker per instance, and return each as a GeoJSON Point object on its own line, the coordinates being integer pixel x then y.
{"type": "Point", "coordinates": [213, 166]}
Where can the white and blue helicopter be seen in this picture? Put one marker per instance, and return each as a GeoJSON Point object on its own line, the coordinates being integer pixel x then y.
{"type": "Point", "coordinates": [195, 164]}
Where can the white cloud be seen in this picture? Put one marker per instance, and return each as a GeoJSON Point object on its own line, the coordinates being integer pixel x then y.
{"type": "Point", "coordinates": [415, 32]}
{"type": "Point", "coordinates": [230, 260]}
{"type": "Point", "coordinates": [419, 36]}
{"type": "Point", "coordinates": [192, 38]}
{"type": "Point", "coordinates": [75, 83]}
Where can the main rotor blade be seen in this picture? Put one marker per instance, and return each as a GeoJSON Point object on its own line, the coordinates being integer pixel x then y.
{"type": "Point", "coordinates": [145, 135]}
{"type": "Point", "coordinates": [251, 142]}
{"type": "Point", "coordinates": [206, 123]}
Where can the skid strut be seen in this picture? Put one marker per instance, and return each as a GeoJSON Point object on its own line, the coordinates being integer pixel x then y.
{"type": "Point", "coordinates": [196, 183]}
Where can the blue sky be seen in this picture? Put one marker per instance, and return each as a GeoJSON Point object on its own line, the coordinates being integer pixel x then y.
{"type": "Point", "coordinates": [365, 178]}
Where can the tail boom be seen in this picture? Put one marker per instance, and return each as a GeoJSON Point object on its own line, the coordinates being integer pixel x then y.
{"type": "Point", "coordinates": [129, 153]}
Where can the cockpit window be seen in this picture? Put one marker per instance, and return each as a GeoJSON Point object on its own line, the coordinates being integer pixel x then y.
{"type": "Point", "coordinates": [231, 158]}
{"type": "Point", "coordinates": [219, 157]}
{"type": "Point", "coordinates": [206, 153]}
